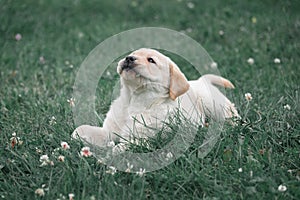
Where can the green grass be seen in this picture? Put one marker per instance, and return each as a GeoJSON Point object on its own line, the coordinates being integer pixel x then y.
{"type": "Point", "coordinates": [266, 146]}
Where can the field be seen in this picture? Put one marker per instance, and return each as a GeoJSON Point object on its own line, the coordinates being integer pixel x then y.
{"type": "Point", "coordinates": [43, 44]}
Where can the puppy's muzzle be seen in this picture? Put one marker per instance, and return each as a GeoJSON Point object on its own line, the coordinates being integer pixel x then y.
{"type": "Point", "coordinates": [128, 62]}
{"type": "Point", "coordinates": [130, 59]}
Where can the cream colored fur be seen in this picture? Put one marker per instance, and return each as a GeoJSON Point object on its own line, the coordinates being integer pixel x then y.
{"type": "Point", "coordinates": [152, 88]}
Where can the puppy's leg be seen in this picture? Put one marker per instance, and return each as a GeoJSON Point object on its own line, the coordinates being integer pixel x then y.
{"type": "Point", "coordinates": [215, 103]}
{"type": "Point", "coordinates": [100, 136]}
{"type": "Point", "coordinates": [230, 110]}
{"type": "Point", "coordinates": [92, 134]}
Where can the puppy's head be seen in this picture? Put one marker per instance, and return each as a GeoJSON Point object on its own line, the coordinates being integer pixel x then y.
{"type": "Point", "coordinates": [150, 66]}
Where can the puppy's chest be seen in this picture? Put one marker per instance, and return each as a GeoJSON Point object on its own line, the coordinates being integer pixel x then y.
{"type": "Point", "coordinates": [151, 115]}
{"type": "Point", "coordinates": [150, 108]}
{"type": "Point", "coordinates": [149, 103]}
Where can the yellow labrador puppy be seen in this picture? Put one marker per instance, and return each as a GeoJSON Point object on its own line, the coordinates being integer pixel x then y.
{"type": "Point", "coordinates": [152, 88]}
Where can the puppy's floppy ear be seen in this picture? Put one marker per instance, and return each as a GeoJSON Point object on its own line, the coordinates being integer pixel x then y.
{"type": "Point", "coordinates": [178, 83]}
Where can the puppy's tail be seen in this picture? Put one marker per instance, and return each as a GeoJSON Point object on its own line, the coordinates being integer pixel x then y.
{"type": "Point", "coordinates": [217, 80]}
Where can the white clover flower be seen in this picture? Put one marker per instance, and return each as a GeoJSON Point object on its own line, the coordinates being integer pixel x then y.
{"type": "Point", "coordinates": [190, 5]}
{"type": "Point", "coordinates": [221, 32]}
{"type": "Point", "coordinates": [71, 196]}
{"type": "Point", "coordinates": [277, 61]}
{"type": "Point", "coordinates": [248, 96]}
{"type": "Point", "coordinates": [18, 36]}
{"type": "Point", "coordinates": [61, 158]}
{"type": "Point", "coordinates": [141, 172]}
{"type": "Point", "coordinates": [251, 173]}
{"type": "Point", "coordinates": [214, 65]}
{"type": "Point", "coordinates": [92, 197]}
{"type": "Point", "coordinates": [64, 145]}
{"type": "Point", "coordinates": [129, 167]}
{"type": "Point", "coordinates": [20, 142]}
{"type": "Point", "coordinates": [61, 196]}
{"type": "Point", "coordinates": [134, 4]}
{"type": "Point", "coordinates": [112, 170]}
{"type": "Point", "coordinates": [287, 107]}
{"type": "Point", "coordinates": [52, 121]}
{"type": "Point", "coordinates": [80, 34]}
{"type": "Point", "coordinates": [282, 188]}
{"type": "Point", "coordinates": [38, 150]}
{"type": "Point", "coordinates": [189, 30]}
{"type": "Point", "coordinates": [42, 60]}
{"type": "Point", "coordinates": [44, 158]}
{"type": "Point", "coordinates": [99, 161]}
{"type": "Point", "coordinates": [169, 156]}
{"type": "Point", "coordinates": [71, 101]}
{"type": "Point", "coordinates": [250, 61]}
{"type": "Point", "coordinates": [14, 141]}
{"type": "Point", "coordinates": [40, 192]}
{"type": "Point", "coordinates": [240, 169]}
{"type": "Point", "coordinates": [85, 152]}
{"type": "Point", "coordinates": [108, 73]}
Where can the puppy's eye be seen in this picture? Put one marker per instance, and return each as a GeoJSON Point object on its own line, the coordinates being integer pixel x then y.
{"type": "Point", "coordinates": [150, 60]}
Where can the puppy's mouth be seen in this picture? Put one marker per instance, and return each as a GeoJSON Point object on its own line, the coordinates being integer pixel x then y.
{"type": "Point", "coordinates": [129, 68]}
{"type": "Point", "coordinates": [126, 66]}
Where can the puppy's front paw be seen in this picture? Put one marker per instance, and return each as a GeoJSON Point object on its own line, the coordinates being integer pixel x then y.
{"type": "Point", "coordinates": [90, 134]}
{"type": "Point", "coordinates": [80, 132]}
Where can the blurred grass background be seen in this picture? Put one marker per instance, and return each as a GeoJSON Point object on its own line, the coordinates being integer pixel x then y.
{"type": "Point", "coordinates": [64, 32]}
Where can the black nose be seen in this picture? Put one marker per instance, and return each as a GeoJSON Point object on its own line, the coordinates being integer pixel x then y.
{"type": "Point", "coordinates": [130, 59]}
